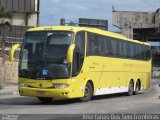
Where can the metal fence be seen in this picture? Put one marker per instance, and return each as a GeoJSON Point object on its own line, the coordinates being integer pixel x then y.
{"type": "Point", "coordinates": [20, 5]}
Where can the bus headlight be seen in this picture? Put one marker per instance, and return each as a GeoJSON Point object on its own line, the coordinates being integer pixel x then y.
{"type": "Point", "coordinates": [23, 85]}
{"type": "Point", "coordinates": [60, 85]}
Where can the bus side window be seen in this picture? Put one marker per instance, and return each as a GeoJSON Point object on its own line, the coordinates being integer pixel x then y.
{"type": "Point", "coordinates": [113, 45]}
{"type": "Point", "coordinates": [124, 49]}
{"type": "Point", "coordinates": [121, 48]}
{"type": "Point", "coordinates": [144, 53]}
{"type": "Point", "coordinates": [147, 53]}
{"type": "Point", "coordinates": [78, 57]}
{"type": "Point", "coordinates": [139, 52]}
{"type": "Point", "coordinates": [80, 42]}
{"type": "Point", "coordinates": [101, 45]}
{"type": "Point", "coordinates": [118, 48]}
{"type": "Point", "coordinates": [108, 46]}
{"type": "Point", "coordinates": [92, 44]}
{"type": "Point", "coordinates": [132, 50]}
{"type": "Point", "coordinates": [97, 46]}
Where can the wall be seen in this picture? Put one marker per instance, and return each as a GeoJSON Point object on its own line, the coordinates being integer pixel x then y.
{"type": "Point", "coordinates": [19, 19]}
{"type": "Point", "coordinates": [123, 19]}
{"type": "Point", "coordinates": [26, 15]}
{"type": "Point", "coordinates": [20, 5]}
{"type": "Point", "coordinates": [11, 72]}
{"type": "Point", "coordinates": [32, 20]}
{"type": "Point", "coordinates": [8, 72]}
{"type": "Point", "coordinates": [128, 21]}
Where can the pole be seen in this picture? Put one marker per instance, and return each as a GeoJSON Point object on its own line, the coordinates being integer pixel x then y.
{"type": "Point", "coordinates": [62, 21]}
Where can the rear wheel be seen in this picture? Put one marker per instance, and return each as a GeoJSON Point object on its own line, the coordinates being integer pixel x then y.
{"type": "Point", "coordinates": [88, 93]}
{"type": "Point", "coordinates": [130, 88]}
{"type": "Point", "coordinates": [137, 88]}
{"type": "Point", "coordinates": [45, 100]}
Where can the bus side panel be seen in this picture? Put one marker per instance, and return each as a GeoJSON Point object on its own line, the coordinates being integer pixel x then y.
{"type": "Point", "coordinates": [146, 81]}
{"type": "Point", "coordinates": [112, 79]}
{"type": "Point", "coordinates": [112, 75]}
{"type": "Point", "coordinates": [91, 70]}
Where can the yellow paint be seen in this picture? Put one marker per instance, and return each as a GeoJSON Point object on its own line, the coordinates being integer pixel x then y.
{"type": "Point", "coordinates": [104, 72]}
{"type": "Point", "coordinates": [70, 53]}
{"type": "Point", "coordinates": [12, 51]}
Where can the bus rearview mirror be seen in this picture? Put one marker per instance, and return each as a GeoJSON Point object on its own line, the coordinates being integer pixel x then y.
{"type": "Point", "coordinates": [12, 51]}
{"type": "Point", "coordinates": [70, 53]}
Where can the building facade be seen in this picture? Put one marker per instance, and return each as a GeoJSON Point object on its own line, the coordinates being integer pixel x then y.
{"type": "Point", "coordinates": [136, 24]}
{"type": "Point", "coordinates": [143, 26]}
{"type": "Point", "coordinates": [95, 23]}
{"type": "Point", "coordinates": [26, 15]}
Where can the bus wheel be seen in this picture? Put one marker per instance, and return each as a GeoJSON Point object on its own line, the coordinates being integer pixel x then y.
{"type": "Point", "coordinates": [88, 93]}
{"type": "Point", "coordinates": [45, 100]}
{"type": "Point", "coordinates": [130, 88]}
{"type": "Point", "coordinates": [137, 88]}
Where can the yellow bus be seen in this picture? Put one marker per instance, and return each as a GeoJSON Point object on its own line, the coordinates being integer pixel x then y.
{"type": "Point", "coordinates": [81, 62]}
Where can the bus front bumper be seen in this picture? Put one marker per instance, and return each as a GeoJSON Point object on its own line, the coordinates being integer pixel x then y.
{"type": "Point", "coordinates": [39, 92]}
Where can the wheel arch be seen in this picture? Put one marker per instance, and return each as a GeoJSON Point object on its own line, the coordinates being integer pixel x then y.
{"type": "Point", "coordinates": [131, 79]}
{"type": "Point", "coordinates": [139, 80]}
{"type": "Point", "coordinates": [92, 84]}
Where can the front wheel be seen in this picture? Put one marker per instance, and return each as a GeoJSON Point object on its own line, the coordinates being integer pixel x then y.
{"type": "Point", "coordinates": [88, 93]}
{"type": "Point", "coordinates": [45, 100]}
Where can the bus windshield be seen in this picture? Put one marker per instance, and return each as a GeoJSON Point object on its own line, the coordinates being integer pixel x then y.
{"type": "Point", "coordinates": [43, 55]}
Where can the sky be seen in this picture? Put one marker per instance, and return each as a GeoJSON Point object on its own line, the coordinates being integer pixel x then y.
{"type": "Point", "coordinates": [52, 10]}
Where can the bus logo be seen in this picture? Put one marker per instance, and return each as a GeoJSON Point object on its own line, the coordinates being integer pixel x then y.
{"type": "Point", "coordinates": [45, 72]}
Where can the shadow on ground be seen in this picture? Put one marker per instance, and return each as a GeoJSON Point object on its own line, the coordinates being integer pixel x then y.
{"type": "Point", "coordinates": [35, 101]}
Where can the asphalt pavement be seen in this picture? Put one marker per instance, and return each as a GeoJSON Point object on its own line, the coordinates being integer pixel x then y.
{"type": "Point", "coordinates": [147, 102]}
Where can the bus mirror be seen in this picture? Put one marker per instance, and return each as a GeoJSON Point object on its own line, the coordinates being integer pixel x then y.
{"type": "Point", "coordinates": [70, 53]}
{"type": "Point", "coordinates": [12, 51]}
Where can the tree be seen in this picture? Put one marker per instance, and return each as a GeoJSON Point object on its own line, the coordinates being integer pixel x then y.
{"type": "Point", "coordinates": [72, 23]}
{"type": "Point", "coordinates": [5, 20]}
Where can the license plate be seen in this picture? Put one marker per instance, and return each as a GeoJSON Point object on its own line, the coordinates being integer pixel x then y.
{"type": "Point", "coordinates": [40, 92]}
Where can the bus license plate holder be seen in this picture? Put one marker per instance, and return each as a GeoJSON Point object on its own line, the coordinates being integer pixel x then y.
{"type": "Point", "coordinates": [40, 92]}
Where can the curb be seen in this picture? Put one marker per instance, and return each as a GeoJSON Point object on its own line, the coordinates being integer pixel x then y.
{"type": "Point", "coordinates": [8, 93]}
{"type": "Point", "coordinates": [9, 90]}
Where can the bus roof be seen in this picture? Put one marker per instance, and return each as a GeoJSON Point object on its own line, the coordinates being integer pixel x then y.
{"type": "Point", "coordinates": [89, 29]}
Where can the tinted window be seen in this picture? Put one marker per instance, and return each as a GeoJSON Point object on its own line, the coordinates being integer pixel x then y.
{"type": "Point", "coordinates": [91, 45]}
{"type": "Point", "coordinates": [108, 46]}
{"type": "Point", "coordinates": [102, 45]}
{"type": "Point", "coordinates": [124, 49]}
{"type": "Point", "coordinates": [113, 47]}
{"type": "Point", "coordinates": [80, 42]}
{"type": "Point", "coordinates": [79, 51]}
{"type": "Point", "coordinates": [147, 52]}
{"type": "Point", "coordinates": [113, 44]}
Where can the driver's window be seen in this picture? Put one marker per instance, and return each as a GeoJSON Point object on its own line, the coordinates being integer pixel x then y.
{"type": "Point", "coordinates": [78, 53]}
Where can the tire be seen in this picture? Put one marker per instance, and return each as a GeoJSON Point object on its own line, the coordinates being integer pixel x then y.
{"type": "Point", "coordinates": [137, 88]}
{"type": "Point", "coordinates": [88, 93]}
{"type": "Point", "coordinates": [130, 88]}
{"type": "Point", "coordinates": [45, 100]}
